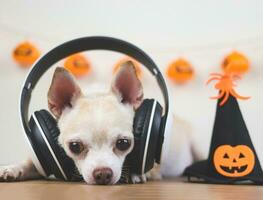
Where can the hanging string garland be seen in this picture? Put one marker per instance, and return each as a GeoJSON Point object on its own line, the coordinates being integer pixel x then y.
{"type": "Point", "coordinates": [180, 71]}
{"type": "Point", "coordinates": [236, 63]}
{"type": "Point", "coordinates": [78, 65]}
{"type": "Point", "coordinates": [25, 54]}
{"type": "Point", "coordinates": [125, 59]}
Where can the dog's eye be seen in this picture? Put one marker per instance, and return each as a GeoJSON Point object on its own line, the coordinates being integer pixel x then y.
{"type": "Point", "coordinates": [76, 147]}
{"type": "Point", "coordinates": [123, 144]}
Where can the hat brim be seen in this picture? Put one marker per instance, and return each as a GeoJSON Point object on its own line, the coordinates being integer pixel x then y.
{"type": "Point", "coordinates": [200, 171]}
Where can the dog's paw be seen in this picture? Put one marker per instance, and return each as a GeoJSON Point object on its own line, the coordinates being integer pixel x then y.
{"type": "Point", "coordinates": [10, 173]}
{"type": "Point", "coordinates": [154, 175]}
{"type": "Point", "coordinates": [135, 178]}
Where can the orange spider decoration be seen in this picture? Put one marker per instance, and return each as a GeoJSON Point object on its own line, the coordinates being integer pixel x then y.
{"type": "Point", "coordinates": [225, 86]}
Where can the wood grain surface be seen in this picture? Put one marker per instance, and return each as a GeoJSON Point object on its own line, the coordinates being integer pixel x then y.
{"type": "Point", "coordinates": [171, 189]}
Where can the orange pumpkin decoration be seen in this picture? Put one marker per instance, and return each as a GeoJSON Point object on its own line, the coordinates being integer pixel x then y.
{"type": "Point", "coordinates": [125, 59]}
{"type": "Point", "coordinates": [236, 63]}
{"type": "Point", "coordinates": [25, 54]}
{"type": "Point", "coordinates": [77, 64]}
{"type": "Point", "coordinates": [234, 161]}
{"type": "Point", "coordinates": [180, 71]}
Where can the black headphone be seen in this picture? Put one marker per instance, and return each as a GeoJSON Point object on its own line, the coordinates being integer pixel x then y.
{"type": "Point", "coordinates": [149, 126]}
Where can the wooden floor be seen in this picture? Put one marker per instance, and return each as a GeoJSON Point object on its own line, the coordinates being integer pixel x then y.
{"type": "Point", "coordinates": [176, 189]}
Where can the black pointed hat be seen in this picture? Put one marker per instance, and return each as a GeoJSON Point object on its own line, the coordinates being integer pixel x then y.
{"type": "Point", "coordinates": [232, 157]}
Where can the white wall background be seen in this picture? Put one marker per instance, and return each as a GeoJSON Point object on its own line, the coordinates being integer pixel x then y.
{"type": "Point", "coordinates": [202, 31]}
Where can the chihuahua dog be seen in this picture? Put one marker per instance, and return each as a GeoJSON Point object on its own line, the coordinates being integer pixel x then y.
{"type": "Point", "coordinates": [96, 131]}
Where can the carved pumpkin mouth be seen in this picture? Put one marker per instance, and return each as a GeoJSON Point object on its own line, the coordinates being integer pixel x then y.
{"type": "Point", "coordinates": [235, 169]}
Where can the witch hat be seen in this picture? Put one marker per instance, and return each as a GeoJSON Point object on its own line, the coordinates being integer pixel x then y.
{"type": "Point", "coordinates": [232, 157]}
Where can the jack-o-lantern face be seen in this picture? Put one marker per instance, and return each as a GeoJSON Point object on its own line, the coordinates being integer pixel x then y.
{"type": "Point", "coordinates": [77, 64]}
{"type": "Point", "coordinates": [180, 71]}
{"type": "Point", "coordinates": [234, 161]}
{"type": "Point", "coordinates": [26, 54]}
{"type": "Point", "coordinates": [126, 59]}
{"type": "Point", "coordinates": [236, 63]}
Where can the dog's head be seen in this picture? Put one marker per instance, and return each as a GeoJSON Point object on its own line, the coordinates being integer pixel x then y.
{"type": "Point", "coordinates": [96, 130]}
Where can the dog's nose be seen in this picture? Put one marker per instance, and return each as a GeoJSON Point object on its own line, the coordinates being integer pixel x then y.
{"type": "Point", "coordinates": [102, 176]}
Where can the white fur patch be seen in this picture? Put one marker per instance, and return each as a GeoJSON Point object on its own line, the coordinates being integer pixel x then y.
{"type": "Point", "coordinates": [98, 120]}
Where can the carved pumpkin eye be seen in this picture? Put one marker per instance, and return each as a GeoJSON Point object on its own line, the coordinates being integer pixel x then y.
{"type": "Point", "coordinates": [226, 156]}
{"type": "Point", "coordinates": [233, 161]}
{"type": "Point", "coordinates": [241, 155]}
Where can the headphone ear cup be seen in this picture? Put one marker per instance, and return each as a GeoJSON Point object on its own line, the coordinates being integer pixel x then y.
{"type": "Point", "coordinates": [61, 165]}
{"type": "Point", "coordinates": [146, 127]}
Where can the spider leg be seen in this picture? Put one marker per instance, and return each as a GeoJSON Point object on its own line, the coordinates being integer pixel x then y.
{"type": "Point", "coordinates": [225, 98]}
{"type": "Point", "coordinates": [236, 76]}
{"type": "Point", "coordinates": [233, 92]}
{"type": "Point", "coordinates": [212, 79]}
{"type": "Point", "coordinates": [221, 94]}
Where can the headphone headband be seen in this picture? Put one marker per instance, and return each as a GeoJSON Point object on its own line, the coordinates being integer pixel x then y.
{"type": "Point", "coordinates": [83, 44]}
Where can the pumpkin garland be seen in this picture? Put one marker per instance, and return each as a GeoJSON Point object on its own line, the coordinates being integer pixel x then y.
{"type": "Point", "coordinates": [25, 54]}
{"type": "Point", "coordinates": [236, 63]}
{"type": "Point", "coordinates": [78, 65]}
{"type": "Point", "coordinates": [180, 71]}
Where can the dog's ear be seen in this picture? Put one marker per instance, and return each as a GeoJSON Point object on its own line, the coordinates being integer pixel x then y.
{"type": "Point", "coordinates": [63, 91]}
{"type": "Point", "coordinates": [127, 85]}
